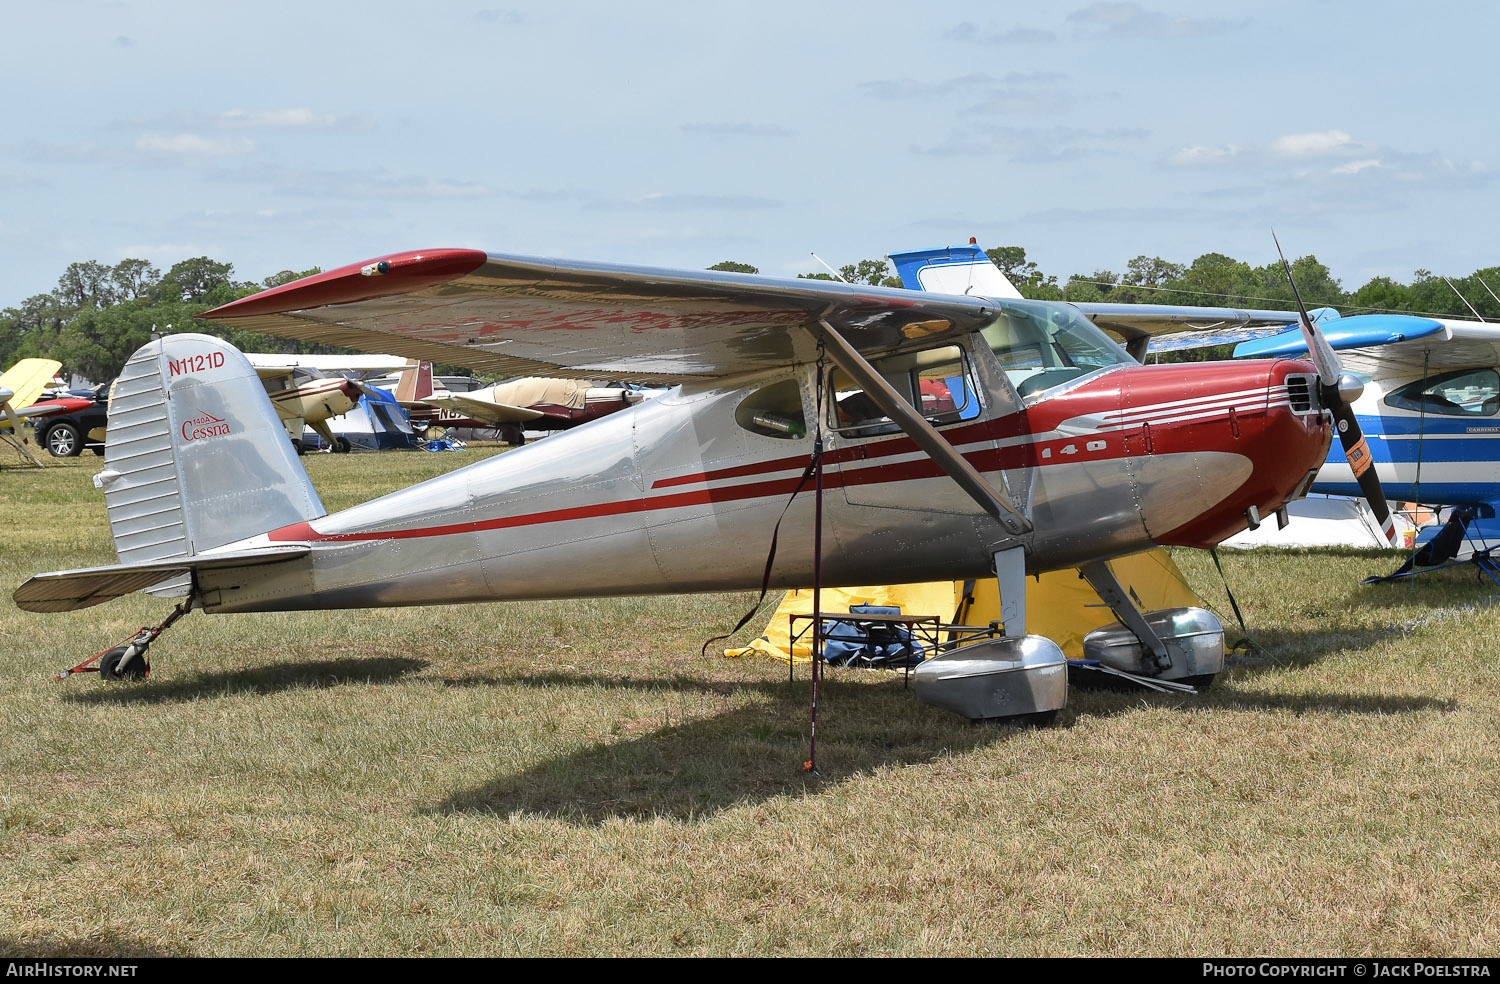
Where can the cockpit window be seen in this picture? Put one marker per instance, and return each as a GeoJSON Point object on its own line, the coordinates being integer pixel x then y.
{"type": "Point", "coordinates": [1467, 393]}
{"type": "Point", "coordinates": [935, 381]}
{"type": "Point", "coordinates": [1043, 345]}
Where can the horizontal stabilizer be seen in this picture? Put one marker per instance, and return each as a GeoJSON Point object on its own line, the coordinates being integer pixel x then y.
{"type": "Point", "coordinates": [485, 410]}
{"type": "Point", "coordinates": [67, 591]}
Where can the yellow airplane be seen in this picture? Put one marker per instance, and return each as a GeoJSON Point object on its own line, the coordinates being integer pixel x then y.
{"type": "Point", "coordinates": [20, 387]}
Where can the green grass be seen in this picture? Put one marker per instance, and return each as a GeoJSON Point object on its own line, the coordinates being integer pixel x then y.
{"type": "Point", "coordinates": [572, 778]}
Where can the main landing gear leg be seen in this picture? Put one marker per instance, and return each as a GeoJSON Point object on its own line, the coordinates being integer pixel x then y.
{"type": "Point", "coordinates": [1113, 593]}
{"type": "Point", "coordinates": [1010, 574]}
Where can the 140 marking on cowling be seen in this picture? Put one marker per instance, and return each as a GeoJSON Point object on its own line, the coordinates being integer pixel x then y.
{"type": "Point", "coordinates": [1073, 449]}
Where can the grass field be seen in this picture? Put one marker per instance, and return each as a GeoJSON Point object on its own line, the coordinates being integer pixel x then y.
{"type": "Point", "coordinates": [572, 778]}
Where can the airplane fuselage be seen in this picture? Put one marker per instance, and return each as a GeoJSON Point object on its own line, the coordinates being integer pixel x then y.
{"type": "Point", "coordinates": [679, 494]}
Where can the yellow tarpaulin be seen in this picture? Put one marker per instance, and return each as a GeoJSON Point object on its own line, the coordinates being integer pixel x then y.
{"type": "Point", "coordinates": [1059, 605]}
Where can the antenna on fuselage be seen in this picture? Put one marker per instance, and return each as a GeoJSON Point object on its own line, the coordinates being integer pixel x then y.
{"type": "Point", "coordinates": [836, 274]}
{"type": "Point", "coordinates": [1461, 297]}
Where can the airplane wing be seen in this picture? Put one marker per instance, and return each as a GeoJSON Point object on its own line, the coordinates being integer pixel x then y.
{"type": "Point", "coordinates": [1152, 319]}
{"type": "Point", "coordinates": [1138, 324]}
{"type": "Point", "coordinates": [271, 364]}
{"type": "Point", "coordinates": [491, 413]}
{"type": "Point", "coordinates": [524, 316]}
{"type": "Point", "coordinates": [22, 384]}
{"type": "Point", "coordinates": [1381, 345]}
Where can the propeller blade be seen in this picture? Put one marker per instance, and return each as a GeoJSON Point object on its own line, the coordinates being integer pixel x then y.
{"type": "Point", "coordinates": [1358, 455]}
{"type": "Point", "coordinates": [1328, 364]}
{"type": "Point", "coordinates": [1356, 451]}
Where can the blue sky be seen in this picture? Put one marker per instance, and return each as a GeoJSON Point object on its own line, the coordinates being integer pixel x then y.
{"type": "Point", "coordinates": [289, 135]}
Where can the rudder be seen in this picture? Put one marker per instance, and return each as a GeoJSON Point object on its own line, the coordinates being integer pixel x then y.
{"type": "Point", "coordinates": [195, 456]}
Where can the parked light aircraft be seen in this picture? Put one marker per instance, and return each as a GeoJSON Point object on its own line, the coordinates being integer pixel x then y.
{"type": "Point", "coordinates": [511, 407]}
{"type": "Point", "coordinates": [1430, 409]}
{"type": "Point", "coordinates": [20, 386]}
{"type": "Point", "coordinates": [1055, 449]}
{"type": "Point", "coordinates": [307, 390]}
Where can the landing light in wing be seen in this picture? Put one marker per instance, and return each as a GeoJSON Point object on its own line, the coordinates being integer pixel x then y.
{"type": "Point", "coordinates": [375, 269]}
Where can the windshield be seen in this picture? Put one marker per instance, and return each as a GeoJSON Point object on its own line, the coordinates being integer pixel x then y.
{"type": "Point", "coordinates": [1042, 345]}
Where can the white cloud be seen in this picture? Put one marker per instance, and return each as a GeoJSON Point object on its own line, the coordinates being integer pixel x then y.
{"type": "Point", "coordinates": [976, 84]}
{"type": "Point", "coordinates": [1200, 154]}
{"type": "Point", "coordinates": [411, 188]}
{"type": "Point", "coordinates": [1131, 20]}
{"type": "Point", "coordinates": [496, 15]}
{"type": "Point", "coordinates": [299, 117]}
{"type": "Point", "coordinates": [1313, 144]}
{"type": "Point", "coordinates": [1354, 167]}
{"type": "Point", "coordinates": [971, 32]}
{"type": "Point", "coordinates": [192, 145]}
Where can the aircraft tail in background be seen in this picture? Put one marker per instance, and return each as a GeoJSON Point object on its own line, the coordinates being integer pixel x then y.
{"type": "Point", "coordinates": [415, 384]}
{"type": "Point", "coordinates": [964, 270]}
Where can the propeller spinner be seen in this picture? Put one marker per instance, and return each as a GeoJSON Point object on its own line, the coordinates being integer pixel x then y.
{"type": "Point", "coordinates": [1339, 392]}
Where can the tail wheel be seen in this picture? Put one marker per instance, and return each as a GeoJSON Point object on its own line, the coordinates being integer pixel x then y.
{"type": "Point", "coordinates": [109, 666]}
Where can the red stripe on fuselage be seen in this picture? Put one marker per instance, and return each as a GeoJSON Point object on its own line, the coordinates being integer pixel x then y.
{"type": "Point", "coordinates": [1014, 425]}
{"type": "Point", "coordinates": [988, 460]}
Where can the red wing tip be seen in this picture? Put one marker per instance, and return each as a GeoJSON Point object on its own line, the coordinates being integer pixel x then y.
{"type": "Point", "coordinates": [396, 273]}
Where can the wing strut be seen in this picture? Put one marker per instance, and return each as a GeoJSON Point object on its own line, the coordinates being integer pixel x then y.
{"type": "Point", "coordinates": [923, 433]}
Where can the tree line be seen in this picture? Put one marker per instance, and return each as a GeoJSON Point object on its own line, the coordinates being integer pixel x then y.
{"type": "Point", "coordinates": [97, 315]}
{"type": "Point", "coordinates": [1216, 280]}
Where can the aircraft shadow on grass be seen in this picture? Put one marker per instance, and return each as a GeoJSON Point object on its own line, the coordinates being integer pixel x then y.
{"type": "Point", "coordinates": [693, 770]}
{"type": "Point", "coordinates": [270, 679]}
{"type": "Point", "coordinates": [685, 771]}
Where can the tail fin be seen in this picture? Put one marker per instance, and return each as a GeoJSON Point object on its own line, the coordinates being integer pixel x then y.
{"type": "Point", "coordinates": [195, 455]}
{"type": "Point", "coordinates": [415, 384]}
{"type": "Point", "coordinates": [952, 270]}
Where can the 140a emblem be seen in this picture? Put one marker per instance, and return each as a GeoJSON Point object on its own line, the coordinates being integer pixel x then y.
{"type": "Point", "coordinates": [203, 427]}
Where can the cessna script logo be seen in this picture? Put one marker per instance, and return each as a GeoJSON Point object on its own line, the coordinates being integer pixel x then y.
{"type": "Point", "coordinates": [206, 426]}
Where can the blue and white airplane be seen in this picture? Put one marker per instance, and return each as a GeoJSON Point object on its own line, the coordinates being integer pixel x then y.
{"type": "Point", "coordinates": [1430, 410]}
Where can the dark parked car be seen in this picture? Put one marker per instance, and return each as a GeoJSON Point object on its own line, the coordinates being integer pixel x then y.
{"type": "Point", "coordinates": [67, 434]}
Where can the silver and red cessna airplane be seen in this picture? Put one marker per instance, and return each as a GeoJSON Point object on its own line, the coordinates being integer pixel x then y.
{"type": "Point", "coordinates": [960, 437]}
